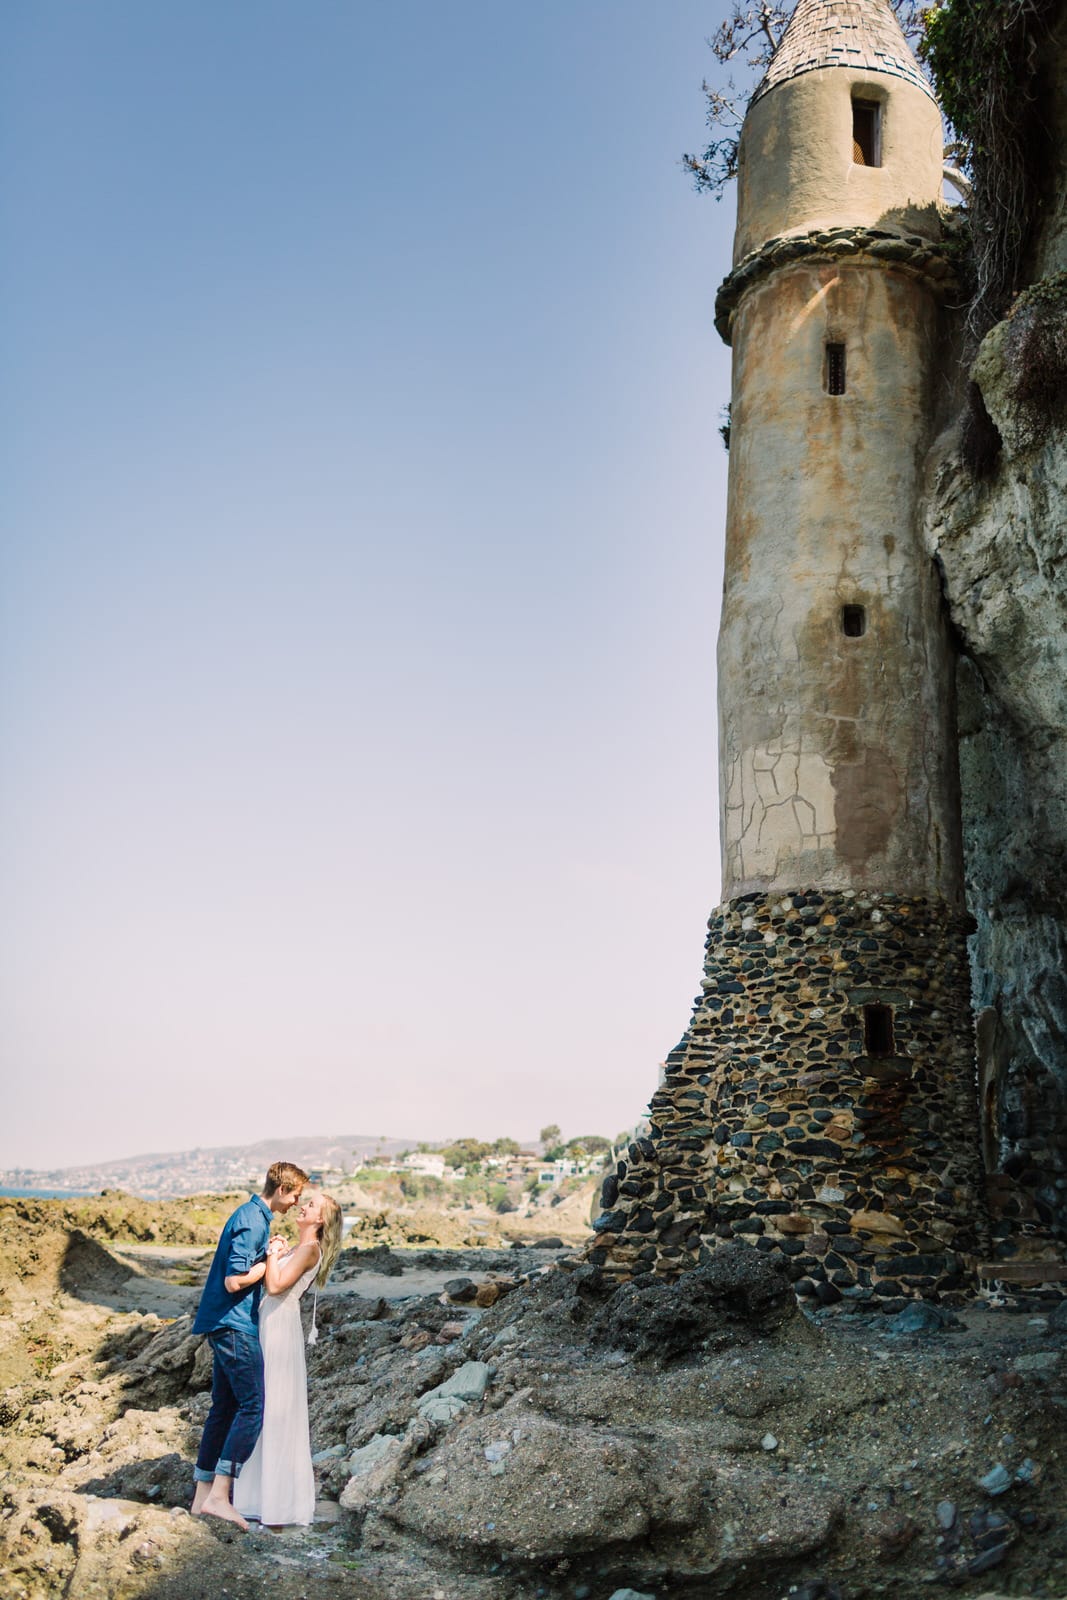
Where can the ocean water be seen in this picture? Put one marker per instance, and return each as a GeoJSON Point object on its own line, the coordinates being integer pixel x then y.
{"type": "Point", "coordinates": [50, 1194]}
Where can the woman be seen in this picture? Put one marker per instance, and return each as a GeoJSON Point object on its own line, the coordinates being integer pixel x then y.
{"type": "Point", "coordinates": [277, 1484]}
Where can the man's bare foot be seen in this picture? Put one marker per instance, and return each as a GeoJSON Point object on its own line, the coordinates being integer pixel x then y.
{"type": "Point", "coordinates": [200, 1494]}
{"type": "Point", "coordinates": [216, 1505]}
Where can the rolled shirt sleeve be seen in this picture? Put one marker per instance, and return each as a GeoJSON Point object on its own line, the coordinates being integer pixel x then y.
{"type": "Point", "coordinates": [242, 1253]}
{"type": "Point", "coordinates": [243, 1242]}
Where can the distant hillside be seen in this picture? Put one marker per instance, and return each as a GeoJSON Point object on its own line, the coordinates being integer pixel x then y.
{"type": "Point", "coordinates": [161, 1175]}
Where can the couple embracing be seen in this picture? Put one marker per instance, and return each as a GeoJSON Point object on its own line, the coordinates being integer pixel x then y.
{"type": "Point", "coordinates": [255, 1455]}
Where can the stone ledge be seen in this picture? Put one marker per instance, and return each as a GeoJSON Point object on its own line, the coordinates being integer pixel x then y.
{"type": "Point", "coordinates": [920, 258]}
{"type": "Point", "coordinates": [1023, 1272]}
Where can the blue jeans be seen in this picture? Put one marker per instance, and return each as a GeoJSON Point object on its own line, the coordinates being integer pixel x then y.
{"type": "Point", "coordinates": [236, 1416]}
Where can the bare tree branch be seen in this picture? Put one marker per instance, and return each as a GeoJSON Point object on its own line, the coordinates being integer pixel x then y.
{"type": "Point", "coordinates": [749, 36]}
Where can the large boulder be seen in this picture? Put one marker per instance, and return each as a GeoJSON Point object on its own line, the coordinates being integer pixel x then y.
{"type": "Point", "coordinates": [526, 1489]}
{"type": "Point", "coordinates": [735, 1291]}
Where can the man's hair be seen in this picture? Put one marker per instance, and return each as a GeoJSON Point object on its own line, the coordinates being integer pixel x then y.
{"type": "Point", "coordinates": [283, 1175]}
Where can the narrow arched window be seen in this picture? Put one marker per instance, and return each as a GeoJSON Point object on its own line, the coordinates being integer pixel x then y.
{"type": "Point", "coordinates": [835, 369]}
{"type": "Point", "coordinates": [866, 133]}
{"type": "Point", "coordinates": [853, 621]}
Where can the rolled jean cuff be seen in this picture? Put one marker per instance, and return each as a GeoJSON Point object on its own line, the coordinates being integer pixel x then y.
{"type": "Point", "coordinates": [226, 1468]}
{"type": "Point", "coordinates": [200, 1475]}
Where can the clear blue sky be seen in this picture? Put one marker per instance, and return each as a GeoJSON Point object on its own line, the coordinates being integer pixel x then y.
{"type": "Point", "coordinates": [361, 566]}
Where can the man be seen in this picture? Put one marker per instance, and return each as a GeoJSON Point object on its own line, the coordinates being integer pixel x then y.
{"type": "Point", "coordinates": [229, 1315]}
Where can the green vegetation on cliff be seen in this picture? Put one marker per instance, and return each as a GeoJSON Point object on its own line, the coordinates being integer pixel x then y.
{"type": "Point", "coordinates": [986, 58]}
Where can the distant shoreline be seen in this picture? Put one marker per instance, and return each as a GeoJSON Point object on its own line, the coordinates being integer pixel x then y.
{"type": "Point", "coordinates": [49, 1194]}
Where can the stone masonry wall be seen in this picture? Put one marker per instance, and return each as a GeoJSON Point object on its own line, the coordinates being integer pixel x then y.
{"type": "Point", "coordinates": [783, 1119]}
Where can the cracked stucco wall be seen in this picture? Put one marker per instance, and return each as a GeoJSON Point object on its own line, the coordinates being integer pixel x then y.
{"type": "Point", "coordinates": [837, 753]}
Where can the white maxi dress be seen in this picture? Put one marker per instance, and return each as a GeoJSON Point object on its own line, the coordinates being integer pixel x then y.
{"type": "Point", "coordinates": [277, 1483]}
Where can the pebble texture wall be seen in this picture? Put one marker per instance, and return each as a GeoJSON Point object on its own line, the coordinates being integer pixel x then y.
{"type": "Point", "coordinates": [821, 1105]}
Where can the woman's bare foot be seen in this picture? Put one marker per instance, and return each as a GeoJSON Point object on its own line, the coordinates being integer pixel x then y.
{"type": "Point", "coordinates": [200, 1494]}
{"type": "Point", "coordinates": [217, 1505]}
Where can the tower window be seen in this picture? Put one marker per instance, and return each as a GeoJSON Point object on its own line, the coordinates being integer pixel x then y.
{"type": "Point", "coordinates": [878, 1030]}
{"type": "Point", "coordinates": [835, 369]}
{"type": "Point", "coordinates": [866, 133]}
{"type": "Point", "coordinates": [853, 621]}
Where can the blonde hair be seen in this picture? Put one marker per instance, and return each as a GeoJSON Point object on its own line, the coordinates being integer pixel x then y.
{"type": "Point", "coordinates": [330, 1231]}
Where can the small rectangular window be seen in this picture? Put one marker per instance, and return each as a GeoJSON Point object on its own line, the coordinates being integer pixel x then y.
{"type": "Point", "coordinates": [835, 369]}
{"type": "Point", "coordinates": [866, 133]}
{"type": "Point", "coordinates": [853, 621]}
{"type": "Point", "coordinates": [878, 1030]}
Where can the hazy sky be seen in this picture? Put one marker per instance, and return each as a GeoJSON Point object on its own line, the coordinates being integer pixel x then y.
{"type": "Point", "coordinates": [363, 506]}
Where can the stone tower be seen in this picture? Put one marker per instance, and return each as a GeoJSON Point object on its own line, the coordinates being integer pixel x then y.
{"type": "Point", "coordinates": [822, 1102]}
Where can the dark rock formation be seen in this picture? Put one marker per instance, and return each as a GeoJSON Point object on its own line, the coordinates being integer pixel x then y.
{"type": "Point", "coordinates": [1000, 539]}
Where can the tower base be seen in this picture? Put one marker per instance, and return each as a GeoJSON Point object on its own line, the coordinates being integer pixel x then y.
{"type": "Point", "coordinates": [822, 1105]}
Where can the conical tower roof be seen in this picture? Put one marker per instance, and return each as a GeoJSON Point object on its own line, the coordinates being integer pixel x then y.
{"type": "Point", "coordinates": [861, 34]}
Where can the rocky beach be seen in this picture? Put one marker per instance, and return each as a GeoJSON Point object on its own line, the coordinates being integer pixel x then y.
{"type": "Point", "coordinates": [501, 1422]}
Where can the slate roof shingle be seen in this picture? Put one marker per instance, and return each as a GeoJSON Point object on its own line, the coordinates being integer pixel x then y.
{"type": "Point", "coordinates": [842, 33]}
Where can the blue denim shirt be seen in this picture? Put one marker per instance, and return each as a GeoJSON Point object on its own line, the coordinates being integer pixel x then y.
{"type": "Point", "coordinates": [242, 1243]}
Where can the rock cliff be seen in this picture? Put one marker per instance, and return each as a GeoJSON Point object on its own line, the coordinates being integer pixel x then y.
{"type": "Point", "coordinates": [996, 523]}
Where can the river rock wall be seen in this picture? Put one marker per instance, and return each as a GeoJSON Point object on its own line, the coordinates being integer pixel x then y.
{"type": "Point", "coordinates": [820, 1105]}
